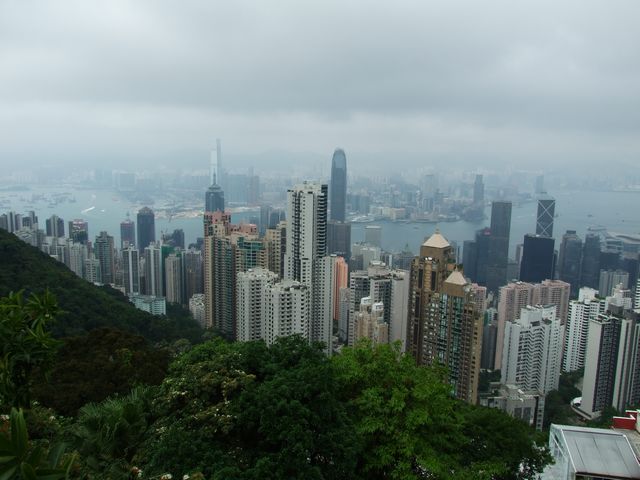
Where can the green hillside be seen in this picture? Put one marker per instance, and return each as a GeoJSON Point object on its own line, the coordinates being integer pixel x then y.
{"type": "Point", "coordinates": [84, 306]}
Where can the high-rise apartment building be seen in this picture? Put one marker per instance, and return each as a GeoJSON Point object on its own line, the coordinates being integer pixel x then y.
{"type": "Point", "coordinates": [286, 310]}
{"type": "Point", "coordinates": [570, 261]}
{"type": "Point", "coordinates": [533, 350]}
{"type": "Point", "coordinates": [131, 269]}
{"type": "Point", "coordinates": [252, 290]}
{"type": "Point", "coordinates": [517, 295]}
{"type": "Point", "coordinates": [537, 262]}
{"type": "Point", "coordinates": [146, 221]}
{"type": "Point", "coordinates": [174, 278]}
{"type": "Point", "coordinates": [338, 187]}
{"type": "Point", "coordinates": [104, 251]}
{"type": "Point", "coordinates": [153, 270]}
{"type": "Point", "coordinates": [369, 322]}
{"type": "Point", "coordinates": [587, 307]}
{"type": "Point", "coordinates": [193, 273]}
{"type": "Point", "coordinates": [275, 240]}
{"type": "Point", "coordinates": [546, 213]}
{"type": "Point", "coordinates": [443, 324]}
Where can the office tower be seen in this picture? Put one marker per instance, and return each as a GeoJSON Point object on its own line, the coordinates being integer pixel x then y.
{"type": "Point", "coordinates": [443, 324]}
{"type": "Point", "coordinates": [340, 281]}
{"type": "Point", "coordinates": [174, 278]}
{"type": "Point", "coordinates": [478, 190]}
{"type": "Point", "coordinates": [216, 173]}
{"type": "Point", "coordinates": [275, 240]}
{"type": "Point", "coordinates": [570, 260]}
{"type": "Point", "coordinates": [498, 247]}
{"type": "Point", "coordinates": [286, 310]}
{"type": "Point", "coordinates": [373, 235]}
{"type": "Point", "coordinates": [470, 259]}
{"type": "Point", "coordinates": [214, 199]}
{"type": "Point", "coordinates": [364, 255]}
{"type": "Point", "coordinates": [489, 342]}
{"type": "Point", "coordinates": [251, 288]}
{"type": "Point", "coordinates": [609, 279]}
{"type": "Point", "coordinates": [539, 185]}
{"type": "Point", "coordinates": [79, 231]}
{"type": "Point", "coordinates": [590, 271]}
{"type": "Point", "coordinates": [54, 226]}
{"type": "Point", "coordinates": [537, 258]}
{"type": "Point", "coordinates": [193, 278]}
{"type": "Point", "coordinates": [131, 269]}
{"type": "Point", "coordinates": [369, 322]}
{"type": "Point", "coordinates": [127, 233]}
{"type": "Point", "coordinates": [544, 218]}
{"type": "Point", "coordinates": [533, 350]}
{"type": "Point", "coordinates": [146, 228]}
{"type": "Point", "coordinates": [581, 311]}
{"type": "Point", "coordinates": [103, 248]}
{"type": "Point", "coordinates": [338, 187]}
{"type": "Point", "coordinates": [339, 239]}
{"type": "Point", "coordinates": [153, 269]}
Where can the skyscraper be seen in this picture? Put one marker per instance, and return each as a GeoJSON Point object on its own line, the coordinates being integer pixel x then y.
{"type": "Point", "coordinates": [146, 228]}
{"type": "Point", "coordinates": [581, 311]}
{"type": "Point", "coordinates": [251, 289]}
{"type": "Point", "coordinates": [537, 262]}
{"type": "Point", "coordinates": [338, 188]}
{"type": "Point", "coordinates": [306, 253]}
{"type": "Point", "coordinates": [533, 350]}
{"type": "Point", "coordinates": [214, 199]}
{"type": "Point", "coordinates": [478, 191]}
{"type": "Point", "coordinates": [54, 226]}
{"type": "Point", "coordinates": [339, 239]}
{"type": "Point", "coordinates": [498, 247]}
{"type": "Point", "coordinates": [131, 270]}
{"type": "Point", "coordinates": [103, 248]}
{"type": "Point", "coordinates": [174, 278]}
{"type": "Point", "coordinates": [79, 231]}
{"type": "Point", "coordinates": [544, 218]}
{"type": "Point", "coordinates": [590, 272]}
{"type": "Point", "coordinates": [570, 260]}
{"type": "Point", "coordinates": [443, 324]}
{"type": "Point", "coordinates": [127, 233]}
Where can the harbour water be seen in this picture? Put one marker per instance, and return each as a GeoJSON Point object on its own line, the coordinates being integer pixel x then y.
{"type": "Point", "coordinates": [577, 210]}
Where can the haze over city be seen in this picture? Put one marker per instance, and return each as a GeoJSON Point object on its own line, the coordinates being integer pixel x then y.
{"type": "Point", "coordinates": [488, 85]}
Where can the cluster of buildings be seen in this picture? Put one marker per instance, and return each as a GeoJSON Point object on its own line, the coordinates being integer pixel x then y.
{"type": "Point", "coordinates": [297, 272]}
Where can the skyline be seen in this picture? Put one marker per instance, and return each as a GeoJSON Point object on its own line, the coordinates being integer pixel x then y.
{"type": "Point", "coordinates": [463, 83]}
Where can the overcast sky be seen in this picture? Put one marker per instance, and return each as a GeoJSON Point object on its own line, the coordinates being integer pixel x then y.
{"type": "Point", "coordinates": [149, 82]}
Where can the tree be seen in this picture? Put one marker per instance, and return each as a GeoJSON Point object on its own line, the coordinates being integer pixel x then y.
{"type": "Point", "coordinates": [92, 367]}
{"type": "Point", "coordinates": [24, 344]}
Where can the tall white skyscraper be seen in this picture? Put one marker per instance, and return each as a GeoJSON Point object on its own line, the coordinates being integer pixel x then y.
{"type": "Point", "coordinates": [581, 311]}
{"type": "Point", "coordinates": [532, 352]}
{"type": "Point", "coordinates": [153, 270]}
{"type": "Point", "coordinates": [306, 259]}
{"type": "Point", "coordinates": [131, 270]}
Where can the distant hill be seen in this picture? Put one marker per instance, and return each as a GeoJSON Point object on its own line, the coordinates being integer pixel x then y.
{"type": "Point", "coordinates": [85, 306]}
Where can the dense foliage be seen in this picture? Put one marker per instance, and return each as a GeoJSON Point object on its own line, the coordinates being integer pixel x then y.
{"type": "Point", "coordinates": [83, 305]}
{"type": "Point", "coordinates": [92, 367]}
{"type": "Point", "coordinates": [24, 345]}
{"type": "Point", "coordinates": [557, 407]}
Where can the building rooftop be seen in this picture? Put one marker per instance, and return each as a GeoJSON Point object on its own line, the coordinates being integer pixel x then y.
{"type": "Point", "coordinates": [598, 451]}
{"type": "Point", "coordinates": [456, 278]}
{"type": "Point", "coordinates": [436, 241]}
